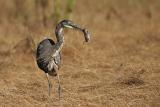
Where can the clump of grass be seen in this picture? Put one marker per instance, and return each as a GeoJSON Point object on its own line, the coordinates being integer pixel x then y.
{"type": "Point", "coordinates": [57, 10]}
{"type": "Point", "coordinates": [31, 12]}
{"type": "Point", "coordinates": [70, 7]}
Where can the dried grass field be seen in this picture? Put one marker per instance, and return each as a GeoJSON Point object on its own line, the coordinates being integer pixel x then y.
{"type": "Point", "coordinates": [120, 67]}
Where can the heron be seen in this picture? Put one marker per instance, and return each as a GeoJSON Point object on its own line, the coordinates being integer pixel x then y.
{"type": "Point", "coordinates": [48, 54]}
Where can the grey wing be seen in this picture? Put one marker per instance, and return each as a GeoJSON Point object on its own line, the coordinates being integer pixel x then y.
{"type": "Point", "coordinates": [45, 52]}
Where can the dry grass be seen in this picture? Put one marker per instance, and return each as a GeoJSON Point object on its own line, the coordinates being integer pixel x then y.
{"type": "Point", "coordinates": [120, 67]}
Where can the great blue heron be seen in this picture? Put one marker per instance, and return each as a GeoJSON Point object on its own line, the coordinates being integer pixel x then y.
{"type": "Point", "coordinates": [48, 52]}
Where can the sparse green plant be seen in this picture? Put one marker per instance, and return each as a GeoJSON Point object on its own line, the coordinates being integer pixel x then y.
{"type": "Point", "coordinates": [57, 10]}
{"type": "Point", "coordinates": [69, 8]}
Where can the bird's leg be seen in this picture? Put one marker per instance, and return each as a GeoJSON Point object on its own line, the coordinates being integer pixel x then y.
{"type": "Point", "coordinates": [59, 86]}
{"type": "Point", "coordinates": [56, 71]}
{"type": "Point", "coordinates": [49, 84]}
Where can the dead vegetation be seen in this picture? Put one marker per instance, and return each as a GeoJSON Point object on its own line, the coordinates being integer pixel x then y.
{"type": "Point", "coordinates": [120, 66]}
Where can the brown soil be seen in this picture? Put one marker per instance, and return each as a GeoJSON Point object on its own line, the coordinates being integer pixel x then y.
{"type": "Point", "coordinates": [120, 67]}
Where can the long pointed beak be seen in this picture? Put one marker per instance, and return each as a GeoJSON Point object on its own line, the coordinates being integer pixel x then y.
{"type": "Point", "coordinates": [68, 26]}
{"type": "Point", "coordinates": [75, 26]}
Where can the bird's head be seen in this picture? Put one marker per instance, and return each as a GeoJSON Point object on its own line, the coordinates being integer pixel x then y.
{"type": "Point", "coordinates": [67, 24]}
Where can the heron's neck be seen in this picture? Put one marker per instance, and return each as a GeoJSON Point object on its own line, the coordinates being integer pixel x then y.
{"type": "Point", "coordinates": [60, 38]}
{"type": "Point", "coordinates": [59, 35]}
